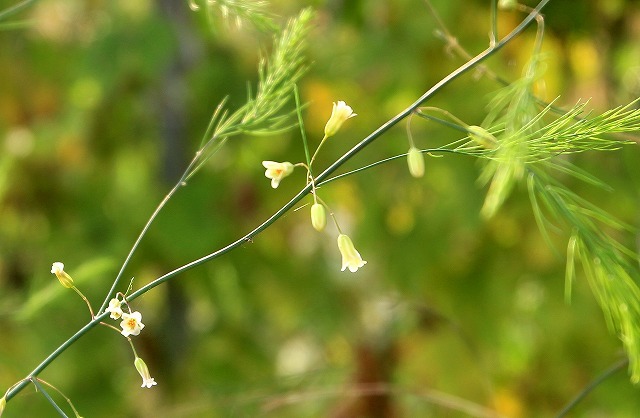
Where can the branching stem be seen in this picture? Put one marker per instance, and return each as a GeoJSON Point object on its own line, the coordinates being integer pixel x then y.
{"type": "Point", "coordinates": [101, 315]}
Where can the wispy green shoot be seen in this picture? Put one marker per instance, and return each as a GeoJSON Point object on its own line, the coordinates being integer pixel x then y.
{"type": "Point", "coordinates": [608, 264]}
{"type": "Point", "coordinates": [238, 12]}
{"type": "Point", "coordinates": [263, 114]}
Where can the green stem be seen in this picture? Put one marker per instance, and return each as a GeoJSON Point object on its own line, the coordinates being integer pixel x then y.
{"type": "Point", "coordinates": [48, 397]}
{"type": "Point", "coordinates": [322, 176]}
{"type": "Point", "coordinates": [155, 213]}
{"type": "Point", "coordinates": [85, 301]}
{"type": "Point", "coordinates": [313, 158]}
{"type": "Point", "coordinates": [348, 155]}
{"type": "Point", "coordinates": [493, 37]}
{"type": "Point", "coordinates": [591, 386]}
{"type": "Point", "coordinates": [15, 9]}
{"type": "Point", "coordinates": [17, 388]}
{"type": "Point", "coordinates": [386, 160]}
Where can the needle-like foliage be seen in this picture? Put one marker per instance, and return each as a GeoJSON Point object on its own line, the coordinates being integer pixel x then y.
{"type": "Point", "coordinates": [239, 11]}
{"type": "Point", "coordinates": [530, 143]}
{"type": "Point", "coordinates": [262, 113]}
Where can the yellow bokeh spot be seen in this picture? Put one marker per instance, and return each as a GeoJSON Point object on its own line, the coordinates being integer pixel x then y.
{"type": "Point", "coordinates": [507, 404]}
{"type": "Point", "coordinates": [584, 59]}
{"type": "Point", "coordinates": [400, 219]}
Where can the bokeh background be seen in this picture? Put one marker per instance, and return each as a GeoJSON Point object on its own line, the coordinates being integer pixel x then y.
{"type": "Point", "coordinates": [102, 105]}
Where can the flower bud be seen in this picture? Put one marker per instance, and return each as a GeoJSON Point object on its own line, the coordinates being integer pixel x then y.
{"type": "Point", "coordinates": [58, 269]}
{"type": "Point", "coordinates": [318, 216]}
{"type": "Point", "coordinates": [482, 137]}
{"type": "Point", "coordinates": [341, 112]}
{"type": "Point", "coordinates": [416, 162]}
{"type": "Point", "coordinates": [3, 403]}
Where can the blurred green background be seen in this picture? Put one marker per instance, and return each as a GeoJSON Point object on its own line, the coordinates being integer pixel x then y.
{"type": "Point", "coordinates": [102, 105]}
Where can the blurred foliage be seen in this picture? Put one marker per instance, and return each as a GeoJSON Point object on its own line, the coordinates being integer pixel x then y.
{"type": "Point", "coordinates": [102, 105]}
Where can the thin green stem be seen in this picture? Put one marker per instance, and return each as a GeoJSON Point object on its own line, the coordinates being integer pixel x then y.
{"type": "Point", "coordinates": [85, 301]}
{"type": "Point", "coordinates": [299, 196]}
{"type": "Point", "coordinates": [43, 365]}
{"type": "Point", "coordinates": [383, 161]}
{"type": "Point", "coordinates": [10, 11]}
{"type": "Point", "coordinates": [493, 37]}
{"type": "Point", "coordinates": [155, 213]}
{"type": "Point", "coordinates": [591, 386]}
{"type": "Point", "coordinates": [349, 154]}
{"type": "Point", "coordinates": [44, 382]}
{"type": "Point", "coordinates": [304, 141]}
{"type": "Point", "coordinates": [296, 95]}
{"type": "Point", "coordinates": [313, 158]}
{"type": "Point", "coordinates": [48, 397]}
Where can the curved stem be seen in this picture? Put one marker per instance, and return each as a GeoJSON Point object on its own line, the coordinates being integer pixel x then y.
{"type": "Point", "coordinates": [155, 213]}
{"type": "Point", "coordinates": [591, 386]}
{"type": "Point", "coordinates": [301, 194]}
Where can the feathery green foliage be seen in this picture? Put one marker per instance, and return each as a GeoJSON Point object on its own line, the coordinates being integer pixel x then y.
{"type": "Point", "coordinates": [239, 11]}
{"type": "Point", "coordinates": [262, 114]}
{"type": "Point", "coordinates": [527, 141]}
{"type": "Point", "coordinates": [528, 144]}
{"type": "Point", "coordinates": [609, 266]}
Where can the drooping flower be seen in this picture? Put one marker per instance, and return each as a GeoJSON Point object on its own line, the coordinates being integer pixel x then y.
{"type": "Point", "coordinates": [350, 256]}
{"type": "Point", "coordinates": [131, 323]}
{"type": "Point", "coordinates": [415, 160]}
{"type": "Point", "coordinates": [115, 307]}
{"type": "Point", "coordinates": [141, 367]}
{"type": "Point", "coordinates": [57, 268]}
{"type": "Point", "coordinates": [341, 112]}
{"type": "Point", "coordinates": [318, 216]}
{"type": "Point", "coordinates": [277, 171]}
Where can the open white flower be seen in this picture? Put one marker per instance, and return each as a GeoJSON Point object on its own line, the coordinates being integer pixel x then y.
{"type": "Point", "coordinates": [350, 256]}
{"type": "Point", "coordinates": [277, 171]}
{"type": "Point", "coordinates": [115, 307]}
{"type": "Point", "coordinates": [131, 324]}
{"type": "Point", "coordinates": [341, 112]}
{"type": "Point", "coordinates": [57, 268]}
{"type": "Point", "coordinates": [141, 367]}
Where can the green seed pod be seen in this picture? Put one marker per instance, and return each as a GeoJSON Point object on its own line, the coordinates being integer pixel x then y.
{"type": "Point", "coordinates": [482, 137]}
{"type": "Point", "coordinates": [415, 160]}
{"type": "Point", "coordinates": [318, 217]}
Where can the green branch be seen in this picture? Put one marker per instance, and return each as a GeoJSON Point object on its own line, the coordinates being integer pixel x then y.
{"type": "Point", "coordinates": [301, 194]}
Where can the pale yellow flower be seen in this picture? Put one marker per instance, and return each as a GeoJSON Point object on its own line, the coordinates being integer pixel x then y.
{"type": "Point", "coordinates": [131, 324]}
{"type": "Point", "coordinates": [350, 256]}
{"type": "Point", "coordinates": [141, 367]}
{"type": "Point", "coordinates": [277, 171]}
{"type": "Point", "coordinates": [341, 112]}
{"type": "Point", "coordinates": [115, 307]}
{"type": "Point", "coordinates": [57, 268]}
